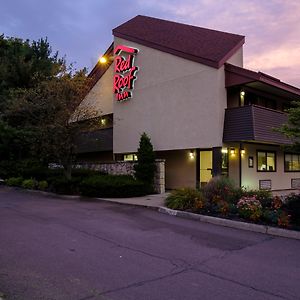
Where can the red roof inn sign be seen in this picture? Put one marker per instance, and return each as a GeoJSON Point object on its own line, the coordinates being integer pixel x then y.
{"type": "Point", "coordinates": [125, 71]}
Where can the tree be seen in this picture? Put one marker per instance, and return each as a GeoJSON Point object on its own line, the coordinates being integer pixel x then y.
{"type": "Point", "coordinates": [45, 111]}
{"type": "Point", "coordinates": [292, 128]}
{"type": "Point", "coordinates": [24, 64]}
{"type": "Point", "coordinates": [145, 167]}
{"type": "Point", "coordinates": [38, 94]}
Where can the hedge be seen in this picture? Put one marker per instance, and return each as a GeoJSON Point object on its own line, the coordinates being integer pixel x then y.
{"type": "Point", "coordinates": [113, 186]}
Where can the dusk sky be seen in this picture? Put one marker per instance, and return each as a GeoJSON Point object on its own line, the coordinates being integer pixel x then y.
{"type": "Point", "coordinates": [81, 30]}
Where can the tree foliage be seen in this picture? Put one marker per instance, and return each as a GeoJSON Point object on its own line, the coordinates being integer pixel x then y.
{"type": "Point", "coordinates": [145, 167]}
{"type": "Point", "coordinates": [292, 128]}
{"type": "Point", "coordinates": [38, 94]}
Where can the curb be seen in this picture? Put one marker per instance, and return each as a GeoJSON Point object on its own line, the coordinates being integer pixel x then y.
{"type": "Point", "coordinates": [232, 224]}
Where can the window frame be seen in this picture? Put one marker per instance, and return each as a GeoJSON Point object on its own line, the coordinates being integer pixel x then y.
{"type": "Point", "coordinates": [275, 161]}
{"type": "Point", "coordinates": [289, 171]}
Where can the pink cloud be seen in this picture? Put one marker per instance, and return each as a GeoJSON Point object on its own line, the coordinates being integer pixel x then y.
{"type": "Point", "coordinates": [271, 28]}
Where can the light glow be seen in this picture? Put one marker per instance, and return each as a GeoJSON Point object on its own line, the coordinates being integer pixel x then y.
{"type": "Point", "coordinates": [192, 155]}
{"type": "Point", "coordinates": [103, 60]}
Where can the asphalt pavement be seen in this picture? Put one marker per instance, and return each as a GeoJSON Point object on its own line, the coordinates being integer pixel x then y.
{"type": "Point", "coordinates": [52, 248]}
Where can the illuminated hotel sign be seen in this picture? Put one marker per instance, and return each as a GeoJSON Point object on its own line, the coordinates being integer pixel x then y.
{"type": "Point", "coordinates": [124, 72]}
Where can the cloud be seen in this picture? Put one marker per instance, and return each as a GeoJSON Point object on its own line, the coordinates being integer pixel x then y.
{"type": "Point", "coordinates": [271, 28]}
{"type": "Point", "coordinates": [82, 29]}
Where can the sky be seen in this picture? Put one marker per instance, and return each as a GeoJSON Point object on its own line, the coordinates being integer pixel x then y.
{"type": "Point", "coordinates": [81, 30]}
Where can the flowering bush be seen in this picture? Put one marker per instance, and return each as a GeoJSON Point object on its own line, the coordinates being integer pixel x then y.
{"type": "Point", "coordinates": [185, 199]}
{"type": "Point", "coordinates": [276, 202]}
{"type": "Point", "coordinates": [221, 187]}
{"type": "Point", "coordinates": [249, 208]}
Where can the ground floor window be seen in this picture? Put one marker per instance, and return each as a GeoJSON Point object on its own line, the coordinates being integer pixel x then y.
{"type": "Point", "coordinates": [266, 161]}
{"type": "Point", "coordinates": [291, 162]}
{"type": "Point", "coordinates": [130, 157]}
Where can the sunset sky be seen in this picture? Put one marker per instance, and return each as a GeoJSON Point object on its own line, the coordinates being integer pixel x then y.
{"type": "Point", "coordinates": [81, 30]}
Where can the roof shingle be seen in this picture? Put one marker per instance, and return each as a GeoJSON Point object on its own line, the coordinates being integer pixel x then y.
{"type": "Point", "coordinates": [210, 47]}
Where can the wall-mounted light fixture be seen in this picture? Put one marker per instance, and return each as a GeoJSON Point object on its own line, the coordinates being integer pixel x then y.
{"type": "Point", "coordinates": [102, 60]}
{"type": "Point", "coordinates": [224, 150]}
{"type": "Point", "coordinates": [192, 155]}
{"type": "Point", "coordinates": [103, 121]}
{"type": "Point", "coordinates": [232, 151]}
{"type": "Point", "coordinates": [243, 151]}
{"type": "Point", "coordinates": [242, 93]}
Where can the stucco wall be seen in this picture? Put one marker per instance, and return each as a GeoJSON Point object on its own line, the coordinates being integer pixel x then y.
{"type": "Point", "coordinates": [237, 58]}
{"type": "Point", "coordinates": [250, 177]}
{"type": "Point", "coordinates": [180, 169]}
{"type": "Point", "coordinates": [179, 103]}
{"type": "Point", "coordinates": [99, 100]}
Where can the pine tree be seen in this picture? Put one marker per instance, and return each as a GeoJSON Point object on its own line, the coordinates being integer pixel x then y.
{"type": "Point", "coordinates": [145, 167]}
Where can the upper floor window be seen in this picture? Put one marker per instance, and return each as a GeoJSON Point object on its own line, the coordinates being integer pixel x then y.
{"type": "Point", "coordinates": [291, 162]}
{"type": "Point", "coordinates": [266, 161]}
{"type": "Point", "coordinates": [248, 98]}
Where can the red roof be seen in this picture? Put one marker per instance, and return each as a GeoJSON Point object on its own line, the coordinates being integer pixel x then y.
{"type": "Point", "coordinates": [206, 46]}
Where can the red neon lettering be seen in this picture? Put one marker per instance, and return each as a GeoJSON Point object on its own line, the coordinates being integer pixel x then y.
{"type": "Point", "coordinates": [124, 72]}
{"type": "Point", "coordinates": [122, 82]}
{"type": "Point", "coordinates": [122, 64]}
{"type": "Point", "coordinates": [123, 96]}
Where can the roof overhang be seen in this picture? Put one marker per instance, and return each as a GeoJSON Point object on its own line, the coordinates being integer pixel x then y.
{"type": "Point", "coordinates": [237, 76]}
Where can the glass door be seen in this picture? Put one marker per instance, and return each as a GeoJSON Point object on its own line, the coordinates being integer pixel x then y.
{"type": "Point", "coordinates": [205, 166]}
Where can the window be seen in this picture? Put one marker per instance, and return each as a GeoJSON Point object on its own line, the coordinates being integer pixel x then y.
{"type": "Point", "coordinates": [291, 162]}
{"type": "Point", "coordinates": [266, 161]}
{"type": "Point", "coordinates": [130, 157]}
{"type": "Point", "coordinates": [225, 162]}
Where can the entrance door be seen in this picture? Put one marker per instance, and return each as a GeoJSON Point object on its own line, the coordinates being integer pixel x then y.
{"type": "Point", "coordinates": [205, 166]}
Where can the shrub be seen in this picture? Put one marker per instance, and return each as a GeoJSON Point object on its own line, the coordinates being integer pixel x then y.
{"type": "Point", "coordinates": [270, 216]}
{"type": "Point", "coordinates": [249, 208]}
{"type": "Point", "coordinates": [113, 186]}
{"type": "Point", "coordinates": [283, 219]}
{"type": "Point", "coordinates": [62, 185]}
{"type": "Point", "coordinates": [14, 181]}
{"type": "Point", "coordinates": [264, 196]}
{"type": "Point", "coordinates": [221, 187]}
{"type": "Point", "coordinates": [292, 207]}
{"type": "Point", "coordinates": [185, 199]}
{"type": "Point", "coordinates": [8, 169]}
{"type": "Point", "coordinates": [43, 185]}
{"type": "Point", "coordinates": [29, 184]}
{"type": "Point", "coordinates": [145, 166]}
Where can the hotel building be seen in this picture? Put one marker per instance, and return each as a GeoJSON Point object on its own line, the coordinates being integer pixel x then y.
{"type": "Point", "coordinates": [206, 115]}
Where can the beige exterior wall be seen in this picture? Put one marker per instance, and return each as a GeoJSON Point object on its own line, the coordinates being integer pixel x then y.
{"type": "Point", "coordinates": [180, 169]}
{"type": "Point", "coordinates": [178, 102]}
{"type": "Point", "coordinates": [99, 100]}
{"type": "Point", "coordinates": [250, 177]}
{"type": "Point", "coordinates": [237, 58]}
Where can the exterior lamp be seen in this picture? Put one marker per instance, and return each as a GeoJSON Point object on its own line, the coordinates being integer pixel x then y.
{"type": "Point", "coordinates": [192, 155]}
{"type": "Point", "coordinates": [103, 60]}
{"type": "Point", "coordinates": [242, 151]}
{"type": "Point", "coordinates": [103, 121]}
{"type": "Point", "coordinates": [224, 150]}
{"type": "Point", "coordinates": [242, 93]}
{"type": "Point", "coordinates": [232, 151]}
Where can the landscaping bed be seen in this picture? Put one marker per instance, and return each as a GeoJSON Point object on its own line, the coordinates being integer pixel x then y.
{"type": "Point", "coordinates": [219, 198]}
{"type": "Point", "coordinates": [83, 182]}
